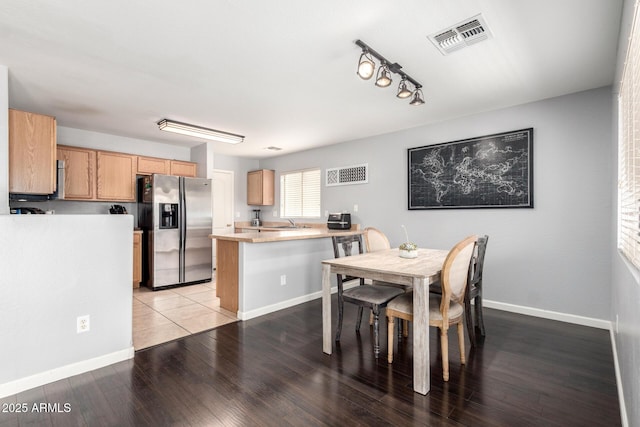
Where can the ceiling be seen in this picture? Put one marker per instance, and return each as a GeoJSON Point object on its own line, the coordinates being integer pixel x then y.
{"type": "Point", "coordinates": [282, 72]}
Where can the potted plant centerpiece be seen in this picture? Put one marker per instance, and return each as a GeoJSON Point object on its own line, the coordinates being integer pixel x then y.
{"type": "Point", "coordinates": [408, 249]}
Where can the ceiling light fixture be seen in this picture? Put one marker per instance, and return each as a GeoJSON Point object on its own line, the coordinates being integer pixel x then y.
{"type": "Point", "coordinates": [418, 98]}
{"type": "Point", "coordinates": [383, 79]}
{"type": "Point", "coordinates": [366, 67]}
{"type": "Point", "coordinates": [199, 132]}
{"type": "Point", "coordinates": [403, 90]}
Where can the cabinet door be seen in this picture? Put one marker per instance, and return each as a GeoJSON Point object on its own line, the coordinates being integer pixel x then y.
{"type": "Point", "coordinates": [260, 187]}
{"type": "Point", "coordinates": [179, 168]}
{"type": "Point", "coordinates": [137, 259]}
{"type": "Point", "coordinates": [116, 177]}
{"type": "Point", "coordinates": [151, 165]}
{"type": "Point", "coordinates": [32, 153]}
{"type": "Point", "coordinates": [79, 172]}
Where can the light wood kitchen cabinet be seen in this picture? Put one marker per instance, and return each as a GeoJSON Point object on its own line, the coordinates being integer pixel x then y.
{"type": "Point", "coordinates": [116, 176]}
{"type": "Point", "coordinates": [180, 168]}
{"type": "Point", "coordinates": [79, 172]}
{"type": "Point", "coordinates": [260, 186]}
{"type": "Point", "coordinates": [32, 153]}
{"type": "Point", "coordinates": [137, 258]}
{"type": "Point", "coordinates": [151, 165]}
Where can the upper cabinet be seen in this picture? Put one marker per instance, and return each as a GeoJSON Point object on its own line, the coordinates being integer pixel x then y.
{"type": "Point", "coordinates": [260, 187]}
{"type": "Point", "coordinates": [79, 172]}
{"type": "Point", "coordinates": [181, 168]}
{"type": "Point", "coordinates": [32, 153]}
{"type": "Point", "coordinates": [151, 165]}
{"type": "Point", "coordinates": [116, 176]}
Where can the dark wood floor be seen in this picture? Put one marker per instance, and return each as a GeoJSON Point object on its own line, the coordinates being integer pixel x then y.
{"type": "Point", "coordinates": [271, 371]}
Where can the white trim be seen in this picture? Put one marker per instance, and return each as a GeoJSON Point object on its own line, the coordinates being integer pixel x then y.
{"type": "Point", "coordinates": [623, 408]}
{"type": "Point", "coordinates": [548, 314]}
{"type": "Point", "coordinates": [42, 378]}
{"type": "Point", "coordinates": [288, 303]}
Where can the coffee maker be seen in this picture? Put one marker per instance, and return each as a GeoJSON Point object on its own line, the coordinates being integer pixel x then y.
{"type": "Point", "coordinates": [256, 221]}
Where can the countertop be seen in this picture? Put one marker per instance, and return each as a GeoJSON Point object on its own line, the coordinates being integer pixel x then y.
{"type": "Point", "coordinates": [281, 236]}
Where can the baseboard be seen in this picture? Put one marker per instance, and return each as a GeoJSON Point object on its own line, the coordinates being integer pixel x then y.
{"type": "Point", "coordinates": [547, 314]}
{"type": "Point", "coordinates": [623, 408]}
{"type": "Point", "coordinates": [42, 378]}
{"type": "Point", "coordinates": [246, 315]}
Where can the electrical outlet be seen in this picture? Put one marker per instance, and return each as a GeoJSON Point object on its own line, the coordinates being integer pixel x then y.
{"type": "Point", "coordinates": [275, 213]}
{"type": "Point", "coordinates": [283, 280]}
{"type": "Point", "coordinates": [83, 324]}
{"type": "Point", "coordinates": [355, 208]}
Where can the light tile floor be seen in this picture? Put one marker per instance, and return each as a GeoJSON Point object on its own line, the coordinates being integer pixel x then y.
{"type": "Point", "coordinates": [161, 316]}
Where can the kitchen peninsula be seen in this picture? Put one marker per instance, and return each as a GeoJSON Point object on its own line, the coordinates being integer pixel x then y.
{"type": "Point", "coordinates": [262, 271]}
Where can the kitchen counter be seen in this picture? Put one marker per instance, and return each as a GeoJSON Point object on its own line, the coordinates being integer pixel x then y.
{"type": "Point", "coordinates": [262, 271]}
{"type": "Point", "coordinates": [283, 235]}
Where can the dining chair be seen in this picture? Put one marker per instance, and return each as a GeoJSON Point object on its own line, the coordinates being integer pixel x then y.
{"type": "Point", "coordinates": [375, 240]}
{"type": "Point", "coordinates": [444, 311]}
{"type": "Point", "coordinates": [371, 296]}
{"type": "Point", "coordinates": [473, 292]}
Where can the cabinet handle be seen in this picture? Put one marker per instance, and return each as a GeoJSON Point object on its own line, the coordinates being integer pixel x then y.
{"type": "Point", "coordinates": [228, 225]}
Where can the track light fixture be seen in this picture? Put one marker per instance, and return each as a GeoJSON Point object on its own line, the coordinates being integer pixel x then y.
{"type": "Point", "coordinates": [366, 68]}
{"type": "Point", "coordinates": [366, 65]}
{"type": "Point", "coordinates": [199, 131]}
{"type": "Point", "coordinates": [403, 90]}
{"type": "Point", "coordinates": [417, 98]}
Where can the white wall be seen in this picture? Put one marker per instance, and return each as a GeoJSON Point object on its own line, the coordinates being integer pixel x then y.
{"type": "Point", "coordinates": [554, 257]}
{"type": "Point", "coordinates": [4, 140]}
{"type": "Point", "coordinates": [240, 166]}
{"type": "Point", "coordinates": [54, 269]}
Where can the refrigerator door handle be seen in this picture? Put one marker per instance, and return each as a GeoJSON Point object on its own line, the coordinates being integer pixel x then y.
{"type": "Point", "coordinates": [183, 228]}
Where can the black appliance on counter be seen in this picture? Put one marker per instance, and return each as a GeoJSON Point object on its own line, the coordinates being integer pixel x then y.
{"type": "Point", "coordinates": [339, 221]}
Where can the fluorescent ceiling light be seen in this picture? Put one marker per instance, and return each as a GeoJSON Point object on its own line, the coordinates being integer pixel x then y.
{"type": "Point", "coordinates": [199, 132]}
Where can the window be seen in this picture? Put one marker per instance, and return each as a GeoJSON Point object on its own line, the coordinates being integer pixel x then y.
{"type": "Point", "coordinates": [629, 152]}
{"type": "Point", "coordinates": [300, 194]}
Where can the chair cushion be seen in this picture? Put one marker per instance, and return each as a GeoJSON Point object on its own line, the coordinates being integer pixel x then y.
{"type": "Point", "coordinates": [372, 294]}
{"type": "Point", "coordinates": [404, 304]}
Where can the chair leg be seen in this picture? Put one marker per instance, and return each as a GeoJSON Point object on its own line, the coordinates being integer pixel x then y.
{"type": "Point", "coordinates": [371, 318]}
{"type": "Point", "coordinates": [479, 318]}
{"type": "Point", "coordinates": [444, 349]}
{"type": "Point", "coordinates": [359, 321]}
{"type": "Point", "coordinates": [390, 339]}
{"type": "Point", "coordinates": [340, 315]}
{"type": "Point", "coordinates": [461, 342]}
{"type": "Point", "coordinates": [469, 321]}
{"type": "Point", "coordinates": [376, 330]}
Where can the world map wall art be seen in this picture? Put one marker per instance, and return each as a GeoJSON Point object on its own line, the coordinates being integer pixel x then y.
{"type": "Point", "coordinates": [493, 171]}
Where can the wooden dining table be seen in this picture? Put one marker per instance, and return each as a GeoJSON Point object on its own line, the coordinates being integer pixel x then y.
{"type": "Point", "coordinates": [388, 266]}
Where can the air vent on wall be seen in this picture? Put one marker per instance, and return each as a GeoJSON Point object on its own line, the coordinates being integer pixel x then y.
{"type": "Point", "coordinates": [346, 175]}
{"type": "Point", "coordinates": [463, 34]}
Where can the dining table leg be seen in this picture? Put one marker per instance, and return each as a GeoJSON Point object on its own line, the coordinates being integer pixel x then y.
{"type": "Point", "coordinates": [421, 379]}
{"type": "Point", "coordinates": [326, 309]}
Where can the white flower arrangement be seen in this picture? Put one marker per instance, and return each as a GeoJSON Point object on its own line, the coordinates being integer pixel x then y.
{"type": "Point", "coordinates": [408, 249]}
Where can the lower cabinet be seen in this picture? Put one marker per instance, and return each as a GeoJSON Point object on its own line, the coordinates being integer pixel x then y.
{"type": "Point", "coordinates": [137, 258]}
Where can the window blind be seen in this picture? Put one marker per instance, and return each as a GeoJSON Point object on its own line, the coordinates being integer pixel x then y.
{"type": "Point", "coordinates": [629, 151]}
{"type": "Point", "coordinates": [300, 194]}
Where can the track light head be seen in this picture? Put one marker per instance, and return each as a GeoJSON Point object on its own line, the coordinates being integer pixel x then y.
{"type": "Point", "coordinates": [403, 91]}
{"type": "Point", "coordinates": [418, 98]}
{"type": "Point", "coordinates": [366, 66]}
{"type": "Point", "coordinates": [384, 77]}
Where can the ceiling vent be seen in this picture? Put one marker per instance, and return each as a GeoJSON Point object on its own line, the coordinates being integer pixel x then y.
{"type": "Point", "coordinates": [463, 34]}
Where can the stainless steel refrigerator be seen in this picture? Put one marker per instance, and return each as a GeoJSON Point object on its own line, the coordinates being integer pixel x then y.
{"type": "Point", "coordinates": [175, 214]}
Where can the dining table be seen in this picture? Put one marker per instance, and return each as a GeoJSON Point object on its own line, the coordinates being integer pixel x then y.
{"type": "Point", "coordinates": [389, 266]}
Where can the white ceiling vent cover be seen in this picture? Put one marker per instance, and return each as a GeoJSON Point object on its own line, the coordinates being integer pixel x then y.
{"type": "Point", "coordinates": [463, 34]}
{"type": "Point", "coordinates": [347, 175]}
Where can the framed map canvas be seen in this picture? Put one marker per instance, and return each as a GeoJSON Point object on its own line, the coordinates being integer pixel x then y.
{"type": "Point", "coordinates": [493, 171]}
